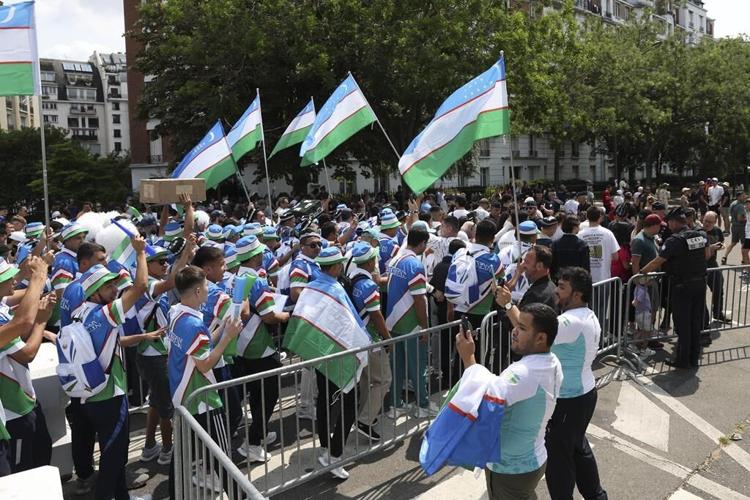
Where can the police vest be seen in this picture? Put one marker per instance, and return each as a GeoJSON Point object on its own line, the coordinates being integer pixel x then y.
{"type": "Point", "coordinates": [689, 265]}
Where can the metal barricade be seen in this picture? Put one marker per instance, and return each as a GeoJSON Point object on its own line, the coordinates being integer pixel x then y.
{"type": "Point", "coordinates": [209, 468]}
{"type": "Point", "coordinates": [651, 298]}
{"type": "Point", "coordinates": [495, 343]}
{"type": "Point", "coordinates": [291, 441]}
{"type": "Point", "coordinates": [607, 304]}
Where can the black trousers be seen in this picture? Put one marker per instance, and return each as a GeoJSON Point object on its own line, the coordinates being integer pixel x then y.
{"type": "Point", "coordinates": [82, 438]}
{"type": "Point", "coordinates": [570, 461]}
{"type": "Point", "coordinates": [262, 394]}
{"type": "Point", "coordinates": [230, 396]}
{"type": "Point", "coordinates": [110, 421]}
{"type": "Point", "coordinates": [688, 309]}
{"type": "Point", "coordinates": [715, 281]}
{"type": "Point", "coordinates": [30, 442]}
{"type": "Point", "coordinates": [213, 423]}
{"type": "Point", "coordinates": [330, 404]}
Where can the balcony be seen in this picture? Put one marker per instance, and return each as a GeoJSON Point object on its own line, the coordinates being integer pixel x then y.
{"type": "Point", "coordinates": [85, 134]}
{"type": "Point", "coordinates": [593, 6]}
{"type": "Point", "coordinates": [75, 110]}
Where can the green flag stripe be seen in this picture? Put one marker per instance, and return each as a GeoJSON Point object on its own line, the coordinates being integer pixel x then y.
{"type": "Point", "coordinates": [217, 173]}
{"type": "Point", "coordinates": [425, 172]}
{"type": "Point", "coordinates": [16, 79]}
{"type": "Point", "coordinates": [290, 139]}
{"type": "Point", "coordinates": [246, 144]}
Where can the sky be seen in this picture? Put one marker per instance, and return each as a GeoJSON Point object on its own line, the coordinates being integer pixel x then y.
{"type": "Point", "coordinates": [73, 29]}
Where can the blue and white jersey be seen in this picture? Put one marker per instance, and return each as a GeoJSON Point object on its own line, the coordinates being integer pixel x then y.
{"type": "Point", "coordinates": [270, 263]}
{"type": "Point", "coordinates": [530, 388]}
{"type": "Point", "coordinates": [388, 250]}
{"type": "Point", "coordinates": [488, 269]}
{"type": "Point", "coordinates": [64, 269]}
{"type": "Point", "coordinates": [303, 271]}
{"type": "Point", "coordinates": [577, 341]}
{"type": "Point", "coordinates": [72, 299]}
{"type": "Point", "coordinates": [510, 256]}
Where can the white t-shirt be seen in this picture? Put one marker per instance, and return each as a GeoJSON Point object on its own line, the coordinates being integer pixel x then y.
{"type": "Point", "coordinates": [602, 244]}
{"type": "Point", "coordinates": [577, 341]}
{"type": "Point", "coordinates": [714, 195]}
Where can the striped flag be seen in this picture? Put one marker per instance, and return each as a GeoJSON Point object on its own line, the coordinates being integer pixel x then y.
{"type": "Point", "coordinates": [247, 132]}
{"type": "Point", "coordinates": [344, 114]}
{"type": "Point", "coordinates": [297, 130]}
{"type": "Point", "coordinates": [19, 60]}
{"type": "Point", "coordinates": [211, 159]}
{"type": "Point", "coordinates": [476, 111]}
{"type": "Point", "coordinates": [324, 322]}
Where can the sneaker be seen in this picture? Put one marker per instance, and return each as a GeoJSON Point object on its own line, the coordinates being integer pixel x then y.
{"type": "Point", "coordinates": [325, 460]}
{"type": "Point", "coordinates": [201, 480]}
{"type": "Point", "coordinates": [149, 454]}
{"type": "Point", "coordinates": [144, 497]}
{"type": "Point", "coordinates": [84, 486]}
{"type": "Point", "coordinates": [165, 456]}
{"type": "Point", "coordinates": [135, 480]}
{"type": "Point", "coordinates": [646, 353]}
{"type": "Point", "coordinates": [430, 411]}
{"type": "Point", "coordinates": [253, 453]}
{"type": "Point", "coordinates": [368, 431]}
{"type": "Point", "coordinates": [396, 412]}
{"type": "Point", "coordinates": [269, 439]}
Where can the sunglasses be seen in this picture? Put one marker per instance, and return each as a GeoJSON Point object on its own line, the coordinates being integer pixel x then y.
{"type": "Point", "coordinates": [163, 262]}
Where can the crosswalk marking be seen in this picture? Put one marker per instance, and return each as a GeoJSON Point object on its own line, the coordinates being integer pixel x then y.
{"type": "Point", "coordinates": [640, 418]}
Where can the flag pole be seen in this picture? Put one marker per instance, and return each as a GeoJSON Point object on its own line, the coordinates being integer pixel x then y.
{"type": "Point", "coordinates": [242, 181]}
{"type": "Point", "coordinates": [398, 155]}
{"type": "Point", "coordinates": [512, 170]}
{"type": "Point", "coordinates": [265, 159]}
{"type": "Point", "coordinates": [328, 182]}
{"type": "Point", "coordinates": [44, 173]}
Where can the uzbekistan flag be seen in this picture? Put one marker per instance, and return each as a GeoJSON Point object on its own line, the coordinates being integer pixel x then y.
{"type": "Point", "coordinates": [247, 132]}
{"type": "Point", "coordinates": [297, 130]}
{"type": "Point", "coordinates": [476, 111]}
{"type": "Point", "coordinates": [344, 114]}
{"type": "Point", "coordinates": [324, 322]}
{"type": "Point", "coordinates": [19, 60]}
{"type": "Point", "coordinates": [211, 159]}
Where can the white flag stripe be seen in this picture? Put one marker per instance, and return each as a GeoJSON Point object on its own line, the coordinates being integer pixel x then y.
{"type": "Point", "coordinates": [207, 158]}
{"type": "Point", "coordinates": [250, 124]}
{"type": "Point", "coordinates": [444, 129]}
{"type": "Point", "coordinates": [300, 122]}
{"type": "Point", "coordinates": [344, 109]}
{"type": "Point", "coordinates": [15, 46]}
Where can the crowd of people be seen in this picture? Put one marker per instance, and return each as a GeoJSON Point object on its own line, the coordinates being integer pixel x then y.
{"type": "Point", "coordinates": [199, 303]}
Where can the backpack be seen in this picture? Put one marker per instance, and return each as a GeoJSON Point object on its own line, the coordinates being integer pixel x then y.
{"type": "Point", "coordinates": [462, 283]}
{"type": "Point", "coordinates": [79, 370]}
{"type": "Point", "coordinates": [348, 284]}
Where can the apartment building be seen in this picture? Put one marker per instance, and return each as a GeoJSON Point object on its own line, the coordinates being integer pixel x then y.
{"type": "Point", "coordinates": [19, 112]}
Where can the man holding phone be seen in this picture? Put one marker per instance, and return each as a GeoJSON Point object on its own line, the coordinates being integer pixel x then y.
{"type": "Point", "coordinates": [530, 388]}
{"type": "Point", "coordinates": [714, 279]}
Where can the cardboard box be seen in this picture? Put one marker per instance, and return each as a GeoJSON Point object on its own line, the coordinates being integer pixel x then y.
{"type": "Point", "coordinates": [162, 191]}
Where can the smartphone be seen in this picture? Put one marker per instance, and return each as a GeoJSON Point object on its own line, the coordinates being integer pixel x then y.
{"type": "Point", "coordinates": [501, 281]}
{"type": "Point", "coordinates": [466, 325]}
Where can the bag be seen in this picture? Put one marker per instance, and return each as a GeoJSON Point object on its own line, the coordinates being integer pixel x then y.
{"type": "Point", "coordinates": [80, 373]}
{"type": "Point", "coordinates": [462, 283]}
{"type": "Point", "coordinates": [348, 284]}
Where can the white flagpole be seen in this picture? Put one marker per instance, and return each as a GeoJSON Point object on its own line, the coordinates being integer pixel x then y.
{"type": "Point", "coordinates": [512, 170]}
{"type": "Point", "coordinates": [265, 159]}
{"type": "Point", "coordinates": [37, 86]}
{"type": "Point", "coordinates": [328, 182]}
{"type": "Point", "coordinates": [398, 155]}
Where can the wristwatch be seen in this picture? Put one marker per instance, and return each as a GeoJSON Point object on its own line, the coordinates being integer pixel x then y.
{"type": "Point", "coordinates": [508, 306]}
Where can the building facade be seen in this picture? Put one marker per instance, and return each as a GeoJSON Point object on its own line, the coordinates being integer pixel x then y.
{"type": "Point", "coordinates": [113, 72]}
{"type": "Point", "coordinates": [19, 112]}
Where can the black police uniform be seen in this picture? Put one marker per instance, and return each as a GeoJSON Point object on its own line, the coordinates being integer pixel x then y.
{"type": "Point", "coordinates": [685, 266]}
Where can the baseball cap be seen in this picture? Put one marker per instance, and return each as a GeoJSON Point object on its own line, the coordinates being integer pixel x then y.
{"type": "Point", "coordinates": [652, 220]}
{"type": "Point", "coordinates": [548, 221]}
{"type": "Point", "coordinates": [527, 227]}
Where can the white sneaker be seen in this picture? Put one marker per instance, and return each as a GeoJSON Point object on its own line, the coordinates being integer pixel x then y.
{"type": "Point", "coordinates": [325, 460]}
{"type": "Point", "coordinates": [253, 453]}
{"type": "Point", "coordinates": [396, 412]}
{"type": "Point", "coordinates": [144, 497]}
{"type": "Point", "coordinates": [269, 439]}
{"type": "Point", "coordinates": [646, 353]}
{"type": "Point", "coordinates": [201, 480]}
{"type": "Point", "coordinates": [165, 457]}
{"type": "Point", "coordinates": [430, 411]}
{"type": "Point", "coordinates": [149, 454]}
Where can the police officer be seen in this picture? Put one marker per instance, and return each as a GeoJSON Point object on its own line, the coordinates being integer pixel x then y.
{"type": "Point", "coordinates": [683, 257]}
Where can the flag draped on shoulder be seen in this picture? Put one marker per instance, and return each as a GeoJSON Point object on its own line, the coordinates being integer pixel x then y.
{"type": "Point", "coordinates": [247, 132]}
{"type": "Point", "coordinates": [476, 111]}
{"type": "Point", "coordinates": [324, 322]}
{"type": "Point", "coordinates": [344, 114]}
{"type": "Point", "coordinates": [297, 130]}
{"type": "Point", "coordinates": [211, 159]}
{"type": "Point", "coordinates": [19, 60]}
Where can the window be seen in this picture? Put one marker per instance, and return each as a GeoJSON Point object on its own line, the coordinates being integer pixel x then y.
{"type": "Point", "coordinates": [115, 119]}
{"type": "Point", "coordinates": [72, 122]}
{"type": "Point", "coordinates": [49, 105]}
{"type": "Point", "coordinates": [531, 145]}
{"type": "Point", "coordinates": [94, 122]}
{"type": "Point", "coordinates": [49, 91]}
{"type": "Point", "coordinates": [82, 94]}
{"type": "Point", "coordinates": [118, 146]}
{"type": "Point", "coordinates": [48, 76]}
{"type": "Point", "coordinates": [115, 106]}
{"type": "Point", "coordinates": [574, 149]}
{"type": "Point", "coordinates": [484, 148]}
{"type": "Point", "coordinates": [576, 171]}
{"type": "Point", "coordinates": [50, 118]}
{"type": "Point", "coordinates": [484, 174]}
{"type": "Point", "coordinates": [117, 133]}
{"type": "Point", "coordinates": [114, 92]}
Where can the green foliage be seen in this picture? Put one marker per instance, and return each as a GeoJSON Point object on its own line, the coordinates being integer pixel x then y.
{"type": "Point", "coordinates": [73, 173]}
{"type": "Point", "coordinates": [642, 98]}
